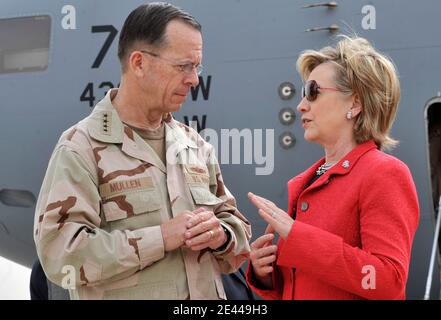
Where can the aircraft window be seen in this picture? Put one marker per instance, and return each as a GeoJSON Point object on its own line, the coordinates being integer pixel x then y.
{"type": "Point", "coordinates": [24, 44]}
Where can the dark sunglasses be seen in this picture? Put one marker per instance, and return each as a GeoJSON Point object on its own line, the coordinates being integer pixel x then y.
{"type": "Point", "coordinates": [311, 89]}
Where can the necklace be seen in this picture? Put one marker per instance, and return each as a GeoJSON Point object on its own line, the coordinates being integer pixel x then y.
{"type": "Point", "coordinates": [323, 168]}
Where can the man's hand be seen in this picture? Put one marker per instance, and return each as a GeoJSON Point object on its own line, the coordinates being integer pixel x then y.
{"type": "Point", "coordinates": [204, 231]}
{"type": "Point", "coordinates": [174, 229]}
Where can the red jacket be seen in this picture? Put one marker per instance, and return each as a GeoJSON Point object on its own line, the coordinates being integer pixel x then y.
{"type": "Point", "coordinates": [353, 231]}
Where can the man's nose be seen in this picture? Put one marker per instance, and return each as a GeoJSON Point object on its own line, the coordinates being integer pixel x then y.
{"type": "Point", "coordinates": [192, 78]}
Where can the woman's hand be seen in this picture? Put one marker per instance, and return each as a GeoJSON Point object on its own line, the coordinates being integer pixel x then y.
{"type": "Point", "coordinates": [278, 219]}
{"type": "Point", "coordinates": [263, 254]}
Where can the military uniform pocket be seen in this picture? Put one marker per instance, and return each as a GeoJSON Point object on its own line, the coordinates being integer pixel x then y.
{"type": "Point", "coordinates": [133, 210]}
{"type": "Point", "coordinates": [127, 205]}
{"type": "Point", "coordinates": [126, 198]}
{"type": "Point", "coordinates": [198, 182]}
{"type": "Point", "coordinates": [165, 290]}
{"type": "Point", "coordinates": [202, 196]}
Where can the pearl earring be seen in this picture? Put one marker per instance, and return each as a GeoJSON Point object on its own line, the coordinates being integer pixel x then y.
{"type": "Point", "coordinates": [349, 115]}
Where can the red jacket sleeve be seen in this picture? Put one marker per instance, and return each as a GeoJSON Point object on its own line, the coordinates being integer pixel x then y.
{"type": "Point", "coordinates": [389, 215]}
{"type": "Point", "coordinates": [272, 294]}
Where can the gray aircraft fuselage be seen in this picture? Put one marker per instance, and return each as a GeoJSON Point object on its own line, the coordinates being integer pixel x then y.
{"type": "Point", "coordinates": [59, 58]}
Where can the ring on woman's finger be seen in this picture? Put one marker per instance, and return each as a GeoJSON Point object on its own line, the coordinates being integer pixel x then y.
{"type": "Point", "coordinates": [273, 214]}
{"type": "Point", "coordinates": [211, 234]}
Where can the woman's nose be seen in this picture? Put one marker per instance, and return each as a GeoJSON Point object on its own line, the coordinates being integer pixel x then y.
{"type": "Point", "coordinates": [303, 105]}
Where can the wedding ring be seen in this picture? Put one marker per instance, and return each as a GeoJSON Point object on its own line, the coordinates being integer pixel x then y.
{"type": "Point", "coordinates": [273, 214]}
{"type": "Point", "coordinates": [211, 234]}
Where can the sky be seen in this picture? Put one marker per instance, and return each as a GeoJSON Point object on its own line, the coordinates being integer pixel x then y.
{"type": "Point", "coordinates": [14, 281]}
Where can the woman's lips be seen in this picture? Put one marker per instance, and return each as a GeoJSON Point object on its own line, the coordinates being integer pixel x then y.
{"type": "Point", "coordinates": [305, 122]}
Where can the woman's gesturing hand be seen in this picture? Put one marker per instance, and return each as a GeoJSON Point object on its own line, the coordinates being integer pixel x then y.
{"type": "Point", "coordinates": [278, 219]}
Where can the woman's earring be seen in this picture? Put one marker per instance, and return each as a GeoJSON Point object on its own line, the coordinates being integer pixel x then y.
{"type": "Point", "coordinates": [349, 115]}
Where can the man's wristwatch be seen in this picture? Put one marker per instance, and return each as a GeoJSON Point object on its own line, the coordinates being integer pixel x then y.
{"type": "Point", "coordinates": [228, 234]}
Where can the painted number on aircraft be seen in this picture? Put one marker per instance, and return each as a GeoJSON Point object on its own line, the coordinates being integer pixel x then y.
{"type": "Point", "coordinates": [105, 48]}
{"type": "Point", "coordinates": [89, 93]}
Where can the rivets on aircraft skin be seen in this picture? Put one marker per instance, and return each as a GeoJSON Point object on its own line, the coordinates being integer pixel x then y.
{"type": "Point", "coordinates": [332, 29]}
{"type": "Point", "coordinates": [287, 140]}
{"type": "Point", "coordinates": [330, 5]}
{"type": "Point", "coordinates": [286, 90]}
{"type": "Point", "coordinates": [287, 116]}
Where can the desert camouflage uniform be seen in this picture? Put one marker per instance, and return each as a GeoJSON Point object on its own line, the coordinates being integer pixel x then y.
{"type": "Point", "coordinates": [103, 199]}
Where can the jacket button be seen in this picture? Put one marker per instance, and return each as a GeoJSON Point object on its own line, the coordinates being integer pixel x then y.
{"type": "Point", "coordinates": [304, 206]}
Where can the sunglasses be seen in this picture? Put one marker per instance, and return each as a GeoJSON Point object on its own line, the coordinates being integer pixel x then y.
{"type": "Point", "coordinates": [311, 90]}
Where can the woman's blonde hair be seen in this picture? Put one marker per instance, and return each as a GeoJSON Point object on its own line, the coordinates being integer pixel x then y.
{"type": "Point", "coordinates": [361, 70]}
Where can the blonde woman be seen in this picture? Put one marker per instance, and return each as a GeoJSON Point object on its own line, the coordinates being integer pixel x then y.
{"type": "Point", "coordinates": [352, 215]}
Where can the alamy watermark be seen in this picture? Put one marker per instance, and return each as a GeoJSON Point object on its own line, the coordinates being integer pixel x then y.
{"type": "Point", "coordinates": [68, 282]}
{"type": "Point", "coordinates": [231, 146]}
{"type": "Point", "coordinates": [369, 281]}
{"type": "Point", "coordinates": [369, 21]}
{"type": "Point", "coordinates": [258, 147]}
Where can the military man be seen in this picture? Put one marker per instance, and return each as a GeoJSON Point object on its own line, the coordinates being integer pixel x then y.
{"type": "Point", "coordinates": [133, 204]}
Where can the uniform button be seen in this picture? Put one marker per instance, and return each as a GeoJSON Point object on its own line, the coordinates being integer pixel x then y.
{"type": "Point", "coordinates": [304, 206]}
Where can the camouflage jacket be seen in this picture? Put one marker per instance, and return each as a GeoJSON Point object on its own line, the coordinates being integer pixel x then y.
{"type": "Point", "coordinates": [98, 215]}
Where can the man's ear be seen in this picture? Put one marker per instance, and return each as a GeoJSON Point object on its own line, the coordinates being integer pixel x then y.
{"type": "Point", "coordinates": [135, 63]}
{"type": "Point", "coordinates": [356, 106]}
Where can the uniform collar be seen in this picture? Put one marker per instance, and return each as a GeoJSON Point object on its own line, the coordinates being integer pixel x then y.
{"type": "Point", "coordinates": [104, 125]}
